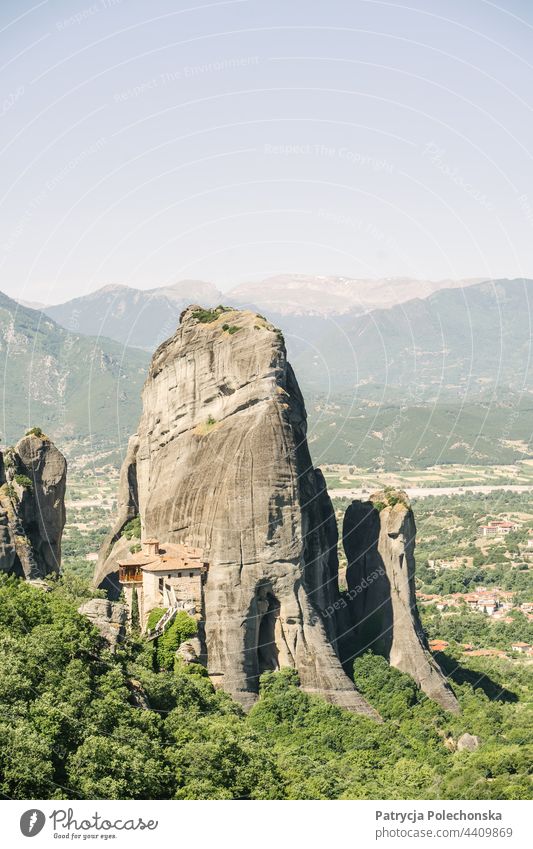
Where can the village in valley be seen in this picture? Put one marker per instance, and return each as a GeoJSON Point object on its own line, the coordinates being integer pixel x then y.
{"type": "Point", "coordinates": [474, 551]}
{"type": "Point", "coordinates": [498, 588]}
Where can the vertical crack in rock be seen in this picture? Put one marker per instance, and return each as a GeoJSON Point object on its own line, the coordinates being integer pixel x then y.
{"type": "Point", "coordinates": [115, 545]}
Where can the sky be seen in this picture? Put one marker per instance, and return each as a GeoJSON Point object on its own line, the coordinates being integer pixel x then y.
{"type": "Point", "coordinates": [143, 143]}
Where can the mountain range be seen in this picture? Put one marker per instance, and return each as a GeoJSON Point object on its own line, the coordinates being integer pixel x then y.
{"type": "Point", "coordinates": [145, 318]}
{"type": "Point", "coordinates": [441, 378]}
{"type": "Point", "coordinates": [455, 344]}
{"type": "Point", "coordinates": [308, 295]}
{"type": "Point", "coordinates": [133, 317]}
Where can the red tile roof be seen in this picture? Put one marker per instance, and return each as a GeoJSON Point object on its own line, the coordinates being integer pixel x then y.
{"type": "Point", "coordinates": [171, 557]}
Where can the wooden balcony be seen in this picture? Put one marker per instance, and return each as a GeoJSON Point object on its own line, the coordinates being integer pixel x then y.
{"type": "Point", "coordinates": [130, 574]}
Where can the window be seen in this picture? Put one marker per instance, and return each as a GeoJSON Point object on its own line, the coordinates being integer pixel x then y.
{"type": "Point", "coordinates": [169, 577]}
{"type": "Point", "coordinates": [179, 574]}
{"type": "Point", "coordinates": [160, 585]}
{"type": "Point", "coordinates": [191, 574]}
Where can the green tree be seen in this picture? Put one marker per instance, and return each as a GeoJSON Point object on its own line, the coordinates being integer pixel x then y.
{"type": "Point", "coordinates": [182, 627]}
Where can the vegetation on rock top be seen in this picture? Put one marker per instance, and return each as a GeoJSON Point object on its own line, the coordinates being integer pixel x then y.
{"type": "Point", "coordinates": [207, 316]}
{"type": "Point", "coordinates": [36, 431]}
{"type": "Point", "coordinates": [389, 497]}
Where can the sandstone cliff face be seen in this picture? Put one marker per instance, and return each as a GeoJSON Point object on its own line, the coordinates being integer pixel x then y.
{"type": "Point", "coordinates": [220, 461]}
{"type": "Point", "coordinates": [379, 540]}
{"type": "Point", "coordinates": [32, 507]}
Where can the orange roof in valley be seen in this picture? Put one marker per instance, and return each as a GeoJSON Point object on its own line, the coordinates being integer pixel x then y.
{"type": "Point", "coordinates": [437, 645]}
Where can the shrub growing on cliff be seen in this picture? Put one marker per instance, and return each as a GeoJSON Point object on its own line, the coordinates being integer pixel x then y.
{"type": "Point", "coordinates": [182, 627]}
{"type": "Point", "coordinates": [9, 461]}
{"type": "Point", "coordinates": [391, 497]}
{"type": "Point", "coordinates": [23, 481]}
{"type": "Point", "coordinates": [394, 497]}
{"type": "Point", "coordinates": [10, 491]}
{"type": "Point", "coordinates": [132, 530]}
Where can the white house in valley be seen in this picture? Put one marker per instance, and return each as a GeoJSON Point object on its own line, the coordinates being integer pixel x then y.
{"type": "Point", "coordinates": [498, 528]}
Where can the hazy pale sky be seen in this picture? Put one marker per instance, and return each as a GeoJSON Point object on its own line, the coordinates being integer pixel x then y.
{"type": "Point", "coordinates": [144, 142]}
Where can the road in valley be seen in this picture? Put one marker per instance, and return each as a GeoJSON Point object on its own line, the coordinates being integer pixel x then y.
{"type": "Point", "coordinates": [424, 492]}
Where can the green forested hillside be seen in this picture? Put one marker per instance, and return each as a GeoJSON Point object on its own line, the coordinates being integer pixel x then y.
{"type": "Point", "coordinates": [463, 343]}
{"type": "Point", "coordinates": [393, 434]}
{"type": "Point", "coordinates": [74, 387]}
{"type": "Point", "coordinates": [79, 722]}
{"type": "Point", "coordinates": [447, 379]}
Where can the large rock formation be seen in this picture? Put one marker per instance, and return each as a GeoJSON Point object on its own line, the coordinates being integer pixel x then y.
{"type": "Point", "coordinates": [220, 462]}
{"type": "Point", "coordinates": [32, 507]}
{"type": "Point", "coordinates": [379, 541]}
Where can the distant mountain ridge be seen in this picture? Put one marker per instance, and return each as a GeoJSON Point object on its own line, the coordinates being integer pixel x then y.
{"type": "Point", "coordinates": [133, 317]}
{"type": "Point", "coordinates": [145, 318]}
{"type": "Point", "coordinates": [458, 343]}
{"type": "Point", "coordinates": [301, 294]}
{"type": "Point", "coordinates": [445, 379]}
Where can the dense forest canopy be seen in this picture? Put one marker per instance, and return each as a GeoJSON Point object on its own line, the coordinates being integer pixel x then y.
{"type": "Point", "coordinates": [80, 722]}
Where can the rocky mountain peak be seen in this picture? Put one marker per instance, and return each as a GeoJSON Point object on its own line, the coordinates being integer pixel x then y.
{"type": "Point", "coordinates": [32, 506]}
